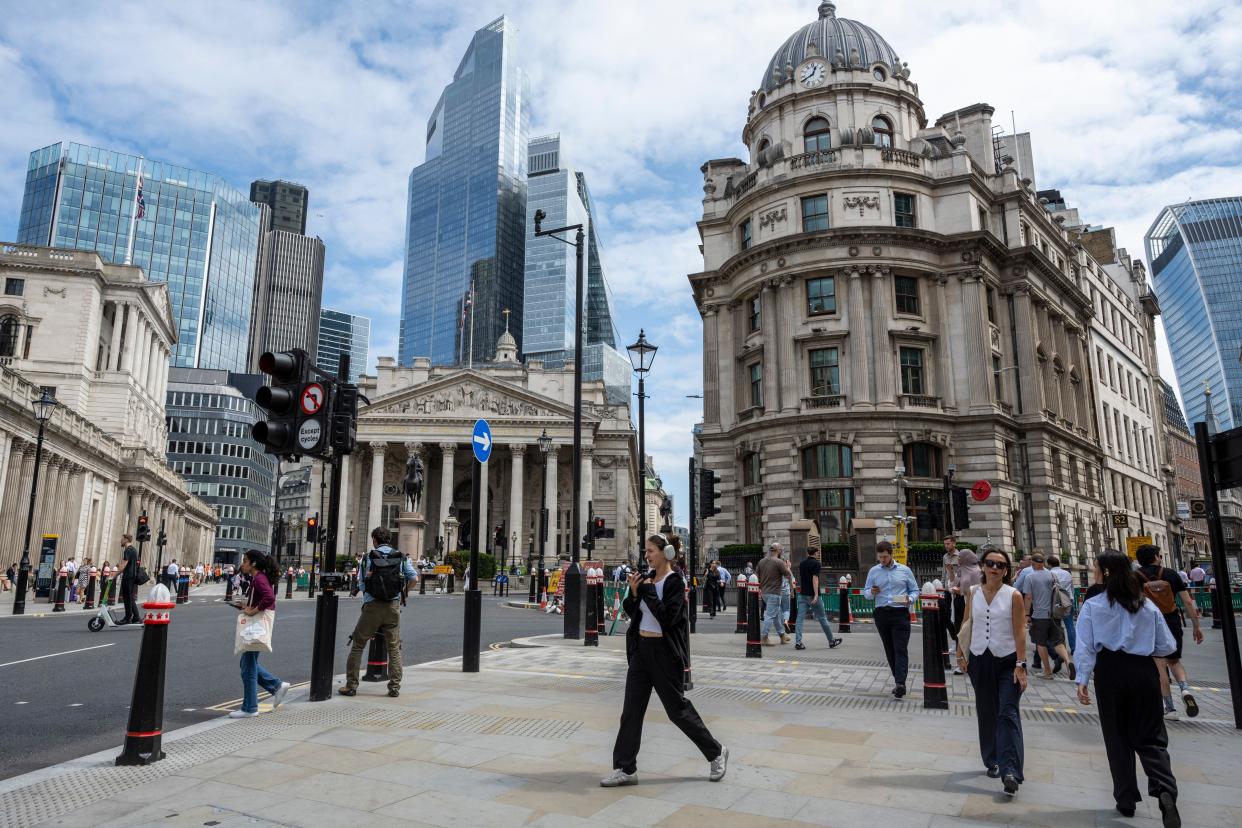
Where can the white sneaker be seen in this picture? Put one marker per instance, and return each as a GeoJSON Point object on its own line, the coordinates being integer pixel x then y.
{"type": "Point", "coordinates": [1172, 715]}
{"type": "Point", "coordinates": [279, 696]}
{"type": "Point", "coordinates": [241, 714]}
{"type": "Point", "coordinates": [719, 766]}
{"type": "Point", "coordinates": [618, 778]}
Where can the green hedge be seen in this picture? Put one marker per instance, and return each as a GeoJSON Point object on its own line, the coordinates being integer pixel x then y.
{"type": "Point", "coordinates": [460, 559]}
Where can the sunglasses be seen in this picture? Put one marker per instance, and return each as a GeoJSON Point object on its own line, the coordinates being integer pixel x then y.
{"type": "Point", "coordinates": [994, 564]}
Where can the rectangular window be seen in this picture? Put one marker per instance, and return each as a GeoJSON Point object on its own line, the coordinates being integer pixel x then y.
{"type": "Point", "coordinates": [903, 210]}
{"type": "Point", "coordinates": [832, 510]}
{"type": "Point", "coordinates": [1099, 362]}
{"type": "Point", "coordinates": [998, 378]}
{"type": "Point", "coordinates": [14, 287]}
{"type": "Point", "coordinates": [983, 219]}
{"type": "Point", "coordinates": [756, 385]}
{"type": "Point", "coordinates": [821, 295]}
{"type": "Point", "coordinates": [754, 518]}
{"type": "Point", "coordinates": [814, 213]}
{"type": "Point", "coordinates": [912, 371]}
{"type": "Point", "coordinates": [744, 233]}
{"type": "Point", "coordinates": [751, 469]}
{"type": "Point", "coordinates": [991, 294]}
{"type": "Point", "coordinates": [825, 372]}
{"type": "Point", "coordinates": [752, 316]}
{"type": "Point", "coordinates": [906, 289]}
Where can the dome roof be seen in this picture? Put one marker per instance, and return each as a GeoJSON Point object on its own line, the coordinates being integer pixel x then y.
{"type": "Point", "coordinates": [857, 44]}
{"type": "Point", "coordinates": [506, 340]}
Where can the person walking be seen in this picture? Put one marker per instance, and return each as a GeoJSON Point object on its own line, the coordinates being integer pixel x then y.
{"type": "Point", "coordinates": [808, 597]}
{"type": "Point", "coordinates": [1162, 585]}
{"type": "Point", "coordinates": [893, 588]}
{"type": "Point", "coordinates": [969, 575]}
{"type": "Point", "coordinates": [726, 580]}
{"type": "Point", "coordinates": [263, 573]}
{"type": "Point", "coordinates": [1198, 577]}
{"type": "Point", "coordinates": [1066, 582]}
{"type": "Point", "coordinates": [995, 615]}
{"type": "Point", "coordinates": [10, 575]}
{"type": "Point", "coordinates": [84, 579]}
{"type": "Point", "coordinates": [951, 605]}
{"type": "Point", "coordinates": [772, 572]}
{"type": "Point", "coordinates": [1119, 632]}
{"type": "Point", "coordinates": [655, 646]}
{"type": "Point", "coordinates": [1045, 632]}
{"type": "Point", "coordinates": [384, 577]}
{"type": "Point", "coordinates": [712, 588]}
{"type": "Point", "coordinates": [128, 573]}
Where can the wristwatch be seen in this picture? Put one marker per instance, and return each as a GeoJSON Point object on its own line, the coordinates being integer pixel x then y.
{"type": "Point", "coordinates": [1021, 664]}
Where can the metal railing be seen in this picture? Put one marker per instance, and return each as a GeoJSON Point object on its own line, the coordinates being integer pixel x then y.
{"type": "Point", "coordinates": [824, 401]}
{"type": "Point", "coordinates": [919, 401]}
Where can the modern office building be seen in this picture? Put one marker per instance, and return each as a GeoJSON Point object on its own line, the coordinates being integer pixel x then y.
{"type": "Point", "coordinates": [467, 209]}
{"type": "Point", "coordinates": [343, 333]}
{"type": "Point", "coordinates": [286, 200]}
{"type": "Point", "coordinates": [209, 444]}
{"type": "Point", "coordinates": [1195, 253]}
{"type": "Point", "coordinates": [551, 273]}
{"type": "Point", "coordinates": [195, 232]}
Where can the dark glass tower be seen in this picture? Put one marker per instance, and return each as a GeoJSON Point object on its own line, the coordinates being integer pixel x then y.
{"type": "Point", "coordinates": [467, 209]}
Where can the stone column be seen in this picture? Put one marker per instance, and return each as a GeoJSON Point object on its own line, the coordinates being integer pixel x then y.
{"type": "Point", "coordinates": [114, 350]}
{"type": "Point", "coordinates": [943, 325]}
{"type": "Point", "coordinates": [375, 511]}
{"type": "Point", "coordinates": [881, 312]}
{"type": "Point", "coordinates": [858, 390]}
{"type": "Point", "coordinates": [153, 373]}
{"type": "Point", "coordinates": [787, 317]}
{"type": "Point", "coordinates": [550, 490]}
{"type": "Point", "coordinates": [978, 343]}
{"type": "Point", "coordinates": [142, 350]}
{"type": "Point", "coordinates": [16, 494]}
{"type": "Point", "coordinates": [711, 364]}
{"type": "Point", "coordinates": [127, 357]}
{"type": "Point", "coordinates": [347, 497]}
{"type": "Point", "coordinates": [1032, 401]}
{"type": "Point", "coordinates": [448, 451]}
{"type": "Point", "coordinates": [46, 495]}
{"type": "Point", "coordinates": [588, 491]}
{"type": "Point", "coordinates": [771, 365]}
{"type": "Point", "coordinates": [517, 484]}
{"type": "Point", "coordinates": [726, 367]}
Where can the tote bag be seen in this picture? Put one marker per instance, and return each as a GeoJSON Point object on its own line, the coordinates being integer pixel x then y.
{"type": "Point", "coordinates": [253, 633]}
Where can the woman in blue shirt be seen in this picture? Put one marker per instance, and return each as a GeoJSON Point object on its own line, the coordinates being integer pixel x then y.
{"type": "Point", "coordinates": [1119, 631]}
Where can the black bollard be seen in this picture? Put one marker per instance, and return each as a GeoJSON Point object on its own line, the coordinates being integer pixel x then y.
{"type": "Point", "coordinates": [62, 583]}
{"type": "Point", "coordinates": [599, 606]}
{"type": "Point", "coordinates": [289, 585]}
{"type": "Point", "coordinates": [310, 591]}
{"type": "Point", "coordinates": [450, 583]}
{"type": "Point", "coordinates": [228, 589]}
{"type": "Point", "coordinates": [1216, 615]}
{"type": "Point", "coordinates": [742, 601]}
{"type": "Point", "coordinates": [943, 634]}
{"type": "Point", "coordinates": [422, 583]}
{"type": "Point", "coordinates": [590, 636]}
{"type": "Point", "coordinates": [495, 586]}
{"type": "Point", "coordinates": [144, 735]}
{"type": "Point", "coordinates": [377, 659]}
{"type": "Point", "coordinates": [935, 695]}
{"type": "Point", "coordinates": [90, 593]}
{"type": "Point", "coordinates": [843, 609]}
{"type": "Point", "coordinates": [532, 587]}
{"type": "Point", "coordinates": [183, 589]}
{"type": "Point", "coordinates": [792, 623]}
{"type": "Point", "coordinates": [753, 648]}
{"type": "Point", "coordinates": [111, 592]}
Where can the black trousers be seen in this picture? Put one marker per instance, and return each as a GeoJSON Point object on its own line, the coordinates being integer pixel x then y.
{"type": "Point", "coordinates": [129, 595]}
{"type": "Point", "coordinates": [959, 609]}
{"type": "Point", "coordinates": [893, 625]}
{"type": "Point", "coordinates": [996, 708]}
{"type": "Point", "coordinates": [1127, 694]}
{"type": "Point", "coordinates": [654, 667]}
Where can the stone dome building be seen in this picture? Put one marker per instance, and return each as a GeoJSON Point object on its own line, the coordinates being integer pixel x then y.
{"type": "Point", "coordinates": [884, 302]}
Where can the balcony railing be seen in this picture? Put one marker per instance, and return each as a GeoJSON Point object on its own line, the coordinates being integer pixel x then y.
{"type": "Point", "coordinates": [919, 401]}
{"type": "Point", "coordinates": [900, 156]}
{"type": "Point", "coordinates": [824, 401]}
{"type": "Point", "coordinates": [748, 413]}
{"type": "Point", "coordinates": [745, 185]}
{"type": "Point", "coordinates": [818, 158]}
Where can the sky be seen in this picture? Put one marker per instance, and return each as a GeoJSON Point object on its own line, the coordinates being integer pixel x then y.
{"type": "Point", "coordinates": [1132, 104]}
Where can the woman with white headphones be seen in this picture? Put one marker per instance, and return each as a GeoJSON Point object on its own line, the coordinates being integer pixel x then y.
{"type": "Point", "coordinates": [655, 645]}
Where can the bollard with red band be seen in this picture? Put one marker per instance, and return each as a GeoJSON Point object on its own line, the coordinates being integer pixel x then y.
{"type": "Point", "coordinates": [754, 649]}
{"type": "Point", "coordinates": [62, 583]}
{"type": "Point", "coordinates": [89, 602]}
{"type": "Point", "coordinates": [935, 694]}
{"type": "Point", "coordinates": [594, 582]}
{"type": "Point", "coordinates": [144, 735]}
{"type": "Point", "coordinates": [289, 584]}
{"type": "Point", "coordinates": [183, 589]}
{"type": "Point", "coordinates": [943, 634]}
{"type": "Point", "coordinates": [843, 605]}
{"type": "Point", "coordinates": [601, 617]}
{"type": "Point", "coordinates": [228, 589]}
{"type": "Point", "coordinates": [377, 659]}
{"type": "Point", "coordinates": [742, 601]}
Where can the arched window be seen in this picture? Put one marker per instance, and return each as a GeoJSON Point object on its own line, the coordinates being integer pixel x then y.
{"type": "Point", "coordinates": [883, 129]}
{"type": "Point", "coordinates": [922, 460]}
{"type": "Point", "coordinates": [10, 328]}
{"type": "Point", "coordinates": [817, 135]}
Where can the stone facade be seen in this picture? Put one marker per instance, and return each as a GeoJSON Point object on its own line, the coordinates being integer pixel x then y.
{"type": "Point", "coordinates": [100, 335]}
{"type": "Point", "coordinates": [1188, 537]}
{"type": "Point", "coordinates": [884, 301]}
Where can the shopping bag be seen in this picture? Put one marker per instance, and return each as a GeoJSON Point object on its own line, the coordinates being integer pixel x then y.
{"type": "Point", "coordinates": [254, 632]}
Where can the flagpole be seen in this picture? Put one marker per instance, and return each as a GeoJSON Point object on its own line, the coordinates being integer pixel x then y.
{"type": "Point", "coordinates": [472, 302]}
{"type": "Point", "coordinates": [133, 216]}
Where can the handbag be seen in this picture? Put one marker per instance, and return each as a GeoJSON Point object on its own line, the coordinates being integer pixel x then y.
{"type": "Point", "coordinates": [964, 632]}
{"type": "Point", "coordinates": [253, 633]}
{"type": "Point", "coordinates": [140, 576]}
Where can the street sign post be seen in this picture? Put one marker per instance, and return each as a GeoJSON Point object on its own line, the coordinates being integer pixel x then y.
{"type": "Point", "coordinates": [310, 432]}
{"type": "Point", "coordinates": [981, 491]}
{"type": "Point", "coordinates": [481, 440]}
{"type": "Point", "coordinates": [312, 398]}
{"type": "Point", "coordinates": [1133, 543]}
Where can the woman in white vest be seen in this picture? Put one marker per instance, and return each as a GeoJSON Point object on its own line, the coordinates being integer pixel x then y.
{"type": "Point", "coordinates": [994, 632]}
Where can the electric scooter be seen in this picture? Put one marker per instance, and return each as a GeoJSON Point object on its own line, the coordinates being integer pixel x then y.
{"type": "Point", "coordinates": [104, 617]}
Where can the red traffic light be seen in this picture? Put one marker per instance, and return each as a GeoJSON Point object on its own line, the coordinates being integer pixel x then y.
{"type": "Point", "coordinates": [311, 523]}
{"type": "Point", "coordinates": [142, 520]}
{"type": "Point", "coordinates": [284, 366]}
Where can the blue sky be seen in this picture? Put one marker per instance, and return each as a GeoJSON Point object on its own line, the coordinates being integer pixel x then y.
{"type": "Point", "coordinates": [1132, 105]}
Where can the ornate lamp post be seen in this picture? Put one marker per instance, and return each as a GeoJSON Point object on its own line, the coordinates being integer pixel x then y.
{"type": "Point", "coordinates": [545, 446]}
{"type": "Point", "coordinates": [43, 408]}
{"type": "Point", "coordinates": [642, 354]}
{"type": "Point", "coordinates": [350, 548]}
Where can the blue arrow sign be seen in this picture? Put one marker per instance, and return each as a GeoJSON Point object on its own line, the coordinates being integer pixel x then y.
{"type": "Point", "coordinates": [481, 441]}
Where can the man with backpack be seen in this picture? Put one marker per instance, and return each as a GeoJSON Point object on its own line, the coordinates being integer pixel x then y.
{"type": "Point", "coordinates": [1039, 590]}
{"type": "Point", "coordinates": [1161, 586]}
{"type": "Point", "coordinates": [382, 578]}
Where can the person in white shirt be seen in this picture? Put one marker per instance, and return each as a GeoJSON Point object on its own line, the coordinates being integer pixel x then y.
{"type": "Point", "coordinates": [996, 614]}
{"type": "Point", "coordinates": [171, 572]}
{"type": "Point", "coordinates": [1119, 632]}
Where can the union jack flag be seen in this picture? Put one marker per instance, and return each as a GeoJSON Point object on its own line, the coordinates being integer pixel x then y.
{"type": "Point", "coordinates": [138, 200]}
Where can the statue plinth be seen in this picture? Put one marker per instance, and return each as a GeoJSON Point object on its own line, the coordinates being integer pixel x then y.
{"type": "Point", "coordinates": [410, 529]}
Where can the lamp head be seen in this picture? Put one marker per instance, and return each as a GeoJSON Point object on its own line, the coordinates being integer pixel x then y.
{"type": "Point", "coordinates": [642, 353]}
{"type": "Point", "coordinates": [540, 215]}
{"type": "Point", "coordinates": [545, 442]}
{"type": "Point", "coordinates": [43, 406]}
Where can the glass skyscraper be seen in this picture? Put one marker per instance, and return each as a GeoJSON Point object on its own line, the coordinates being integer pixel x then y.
{"type": "Point", "coordinates": [343, 333]}
{"type": "Point", "coordinates": [1195, 254]}
{"type": "Point", "coordinates": [198, 234]}
{"type": "Point", "coordinates": [467, 209]}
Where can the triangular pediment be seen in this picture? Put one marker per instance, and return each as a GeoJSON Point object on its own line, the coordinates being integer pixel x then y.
{"type": "Point", "coordinates": [468, 394]}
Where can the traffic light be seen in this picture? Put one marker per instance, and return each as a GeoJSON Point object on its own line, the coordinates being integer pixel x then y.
{"type": "Point", "coordinates": [144, 529]}
{"type": "Point", "coordinates": [935, 514]}
{"type": "Point", "coordinates": [343, 424]}
{"type": "Point", "coordinates": [279, 432]}
{"type": "Point", "coordinates": [161, 540]}
{"type": "Point", "coordinates": [961, 508]}
{"type": "Point", "coordinates": [597, 527]}
{"type": "Point", "coordinates": [588, 541]}
{"type": "Point", "coordinates": [709, 493]}
{"type": "Point", "coordinates": [312, 528]}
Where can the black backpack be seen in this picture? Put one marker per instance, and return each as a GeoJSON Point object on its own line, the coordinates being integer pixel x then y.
{"type": "Point", "coordinates": [384, 580]}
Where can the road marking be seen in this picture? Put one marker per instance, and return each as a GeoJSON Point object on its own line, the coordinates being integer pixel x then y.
{"type": "Point", "coordinates": [21, 702]}
{"type": "Point", "coordinates": [53, 655]}
{"type": "Point", "coordinates": [76, 704]}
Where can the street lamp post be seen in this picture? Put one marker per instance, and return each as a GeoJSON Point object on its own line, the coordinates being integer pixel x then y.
{"type": "Point", "coordinates": [43, 412]}
{"type": "Point", "coordinates": [642, 354]}
{"type": "Point", "coordinates": [350, 549]}
{"type": "Point", "coordinates": [545, 446]}
{"type": "Point", "coordinates": [573, 575]}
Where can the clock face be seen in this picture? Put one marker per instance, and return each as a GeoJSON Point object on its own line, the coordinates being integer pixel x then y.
{"type": "Point", "coordinates": [812, 74]}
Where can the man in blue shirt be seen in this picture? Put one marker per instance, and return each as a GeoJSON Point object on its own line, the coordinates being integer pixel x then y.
{"type": "Point", "coordinates": [381, 614]}
{"type": "Point", "coordinates": [893, 588]}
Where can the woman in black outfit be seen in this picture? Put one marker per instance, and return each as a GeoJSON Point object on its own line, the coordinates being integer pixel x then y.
{"type": "Point", "coordinates": [712, 588]}
{"type": "Point", "coordinates": [656, 646]}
